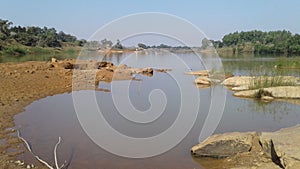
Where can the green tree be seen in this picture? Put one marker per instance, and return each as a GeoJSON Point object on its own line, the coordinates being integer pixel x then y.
{"type": "Point", "coordinates": [143, 46]}
{"type": "Point", "coordinates": [5, 29]}
{"type": "Point", "coordinates": [205, 43]}
{"type": "Point", "coordinates": [118, 45]}
{"type": "Point", "coordinates": [106, 43]}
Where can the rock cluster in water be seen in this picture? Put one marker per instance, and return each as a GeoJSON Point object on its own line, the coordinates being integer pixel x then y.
{"type": "Point", "coordinates": [266, 150]}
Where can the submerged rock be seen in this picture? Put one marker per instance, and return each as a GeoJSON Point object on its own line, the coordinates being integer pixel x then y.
{"type": "Point", "coordinates": [267, 98]}
{"type": "Point", "coordinates": [163, 70]}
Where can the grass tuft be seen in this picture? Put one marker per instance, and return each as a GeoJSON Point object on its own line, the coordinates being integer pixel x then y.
{"type": "Point", "coordinates": [270, 78]}
{"type": "Point", "coordinates": [261, 92]}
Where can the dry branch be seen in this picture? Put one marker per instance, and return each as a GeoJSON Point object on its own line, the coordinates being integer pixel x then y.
{"type": "Point", "coordinates": [38, 158]}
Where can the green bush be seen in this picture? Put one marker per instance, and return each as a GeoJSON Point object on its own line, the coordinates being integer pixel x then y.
{"type": "Point", "coordinates": [261, 92]}
{"type": "Point", "coordinates": [14, 51]}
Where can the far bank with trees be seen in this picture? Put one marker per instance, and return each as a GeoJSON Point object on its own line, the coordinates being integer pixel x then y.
{"type": "Point", "coordinates": [258, 42]}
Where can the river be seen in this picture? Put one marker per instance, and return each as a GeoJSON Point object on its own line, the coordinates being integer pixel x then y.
{"type": "Point", "coordinates": [45, 120]}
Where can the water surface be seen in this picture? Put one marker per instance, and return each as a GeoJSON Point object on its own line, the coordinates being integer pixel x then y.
{"type": "Point", "coordinates": [45, 120]}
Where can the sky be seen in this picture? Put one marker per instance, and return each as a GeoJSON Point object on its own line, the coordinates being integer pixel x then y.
{"type": "Point", "coordinates": [214, 17]}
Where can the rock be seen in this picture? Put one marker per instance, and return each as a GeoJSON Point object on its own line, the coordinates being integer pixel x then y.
{"type": "Point", "coordinates": [267, 98]}
{"type": "Point", "coordinates": [224, 145]}
{"type": "Point", "coordinates": [163, 70]}
{"type": "Point", "coordinates": [228, 75]}
{"type": "Point", "coordinates": [110, 69]}
{"type": "Point", "coordinates": [261, 166]}
{"type": "Point", "coordinates": [142, 71]}
{"type": "Point", "coordinates": [137, 70]}
{"type": "Point", "coordinates": [291, 92]}
{"type": "Point", "coordinates": [203, 80]}
{"type": "Point", "coordinates": [66, 65]}
{"type": "Point", "coordinates": [240, 88]}
{"type": "Point", "coordinates": [202, 86]}
{"type": "Point", "coordinates": [286, 145]}
{"type": "Point", "coordinates": [149, 70]}
{"type": "Point", "coordinates": [50, 65]}
{"type": "Point", "coordinates": [80, 66]}
{"type": "Point", "coordinates": [246, 93]}
{"type": "Point", "coordinates": [268, 166]}
{"type": "Point", "coordinates": [249, 80]}
{"type": "Point", "coordinates": [62, 65]}
{"type": "Point", "coordinates": [199, 73]}
{"type": "Point", "coordinates": [286, 92]}
{"type": "Point", "coordinates": [238, 81]}
{"type": "Point", "coordinates": [105, 64]}
{"type": "Point", "coordinates": [93, 65]}
{"type": "Point", "coordinates": [267, 147]}
{"type": "Point", "coordinates": [269, 150]}
{"type": "Point", "coordinates": [19, 163]}
{"type": "Point", "coordinates": [215, 81]}
{"type": "Point", "coordinates": [53, 60]}
{"type": "Point", "coordinates": [122, 66]}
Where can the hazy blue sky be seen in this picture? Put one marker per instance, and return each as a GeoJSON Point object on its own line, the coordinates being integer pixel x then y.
{"type": "Point", "coordinates": [214, 17]}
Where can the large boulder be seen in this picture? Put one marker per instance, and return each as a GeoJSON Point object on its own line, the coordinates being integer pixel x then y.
{"type": "Point", "coordinates": [286, 146]}
{"type": "Point", "coordinates": [224, 145]}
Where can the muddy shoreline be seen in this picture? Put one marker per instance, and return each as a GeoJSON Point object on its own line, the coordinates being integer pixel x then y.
{"type": "Point", "coordinates": [20, 85]}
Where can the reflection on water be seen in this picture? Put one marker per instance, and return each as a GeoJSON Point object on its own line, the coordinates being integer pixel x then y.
{"type": "Point", "coordinates": [242, 114]}
{"type": "Point", "coordinates": [248, 66]}
{"type": "Point", "coordinates": [279, 110]}
{"type": "Point", "coordinates": [46, 119]}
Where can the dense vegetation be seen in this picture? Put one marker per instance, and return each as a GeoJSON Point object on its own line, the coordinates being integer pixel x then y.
{"type": "Point", "coordinates": [161, 46]}
{"type": "Point", "coordinates": [18, 40]}
{"type": "Point", "coordinates": [273, 42]}
{"type": "Point", "coordinates": [107, 44]}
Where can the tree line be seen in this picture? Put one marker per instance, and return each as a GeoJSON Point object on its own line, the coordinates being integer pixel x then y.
{"type": "Point", "coordinates": [259, 42]}
{"type": "Point", "coordinates": [34, 36]}
{"type": "Point", "coordinates": [272, 42]}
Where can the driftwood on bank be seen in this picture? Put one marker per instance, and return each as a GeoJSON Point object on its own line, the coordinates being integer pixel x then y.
{"type": "Point", "coordinates": [41, 160]}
